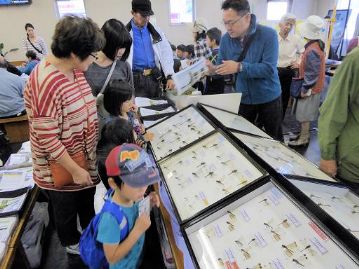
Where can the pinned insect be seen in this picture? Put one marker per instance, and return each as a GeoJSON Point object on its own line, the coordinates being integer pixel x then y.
{"type": "Point", "coordinates": [195, 174]}
{"type": "Point", "coordinates": [335, 198]}
{"type": "Point", "coordinates": [201, 164]}
{"type": "Point", "coordinates": [297, 262]}
{"type": "Point", "coordinates": [214, 145]}
{"type": "Point", "coordinates": [320, 204]}
{"type": "Point", "coordinates": [307, 247]}
{"type": "Point", "coordinates": [233, 172]}
{"type": "Point", "coordinates": [265, 201]}
{"type": "Point", "coordinates": [252, 240]}
{"type": "Point", "coordinates": [314, 196]}
{"type": "Point", "coordinates": [285, 223]}
{"type": "Point", "coordinates": [225, 191]}
{"type": "Point", "coordinates": [210, 174]}
{"type": "Point", "coordinates": [246, 254]}
{"type": "Point", "coordinates": [225, 163]}
{"type": "Point", "coordinates": [219, 182]}
{"type": "Point", "coordinates": [230, 226]}
{"type": "Point", "coordinates": [220, 261]}
{"type": "Point", "coordinates": [231, 215]}
{"type": "Point", "coordinates": [276, 235]}
{"type": "Point", "coordinates": [288, 249]}
{"type": "Point", "coordinates": [268, 226]}
{"type": "Point", "coordinates": [355, 212]}
{"type": "Point", "coordinates": [239, 243]}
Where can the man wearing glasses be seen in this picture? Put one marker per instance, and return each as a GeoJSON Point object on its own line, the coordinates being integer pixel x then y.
{"type": "Point", "coordinates": [249, 51]}
{"type": "Point", "coordinates": [150, 52]}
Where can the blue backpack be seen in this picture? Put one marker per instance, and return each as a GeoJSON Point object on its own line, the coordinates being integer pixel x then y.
{"type": "Point", "coordinates": [91, 250]}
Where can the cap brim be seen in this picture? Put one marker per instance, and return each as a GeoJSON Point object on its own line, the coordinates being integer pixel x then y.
{"type": "Point", "coordinates": [141, 179]}
{"type": "Point", "coordinates": [146, 13]}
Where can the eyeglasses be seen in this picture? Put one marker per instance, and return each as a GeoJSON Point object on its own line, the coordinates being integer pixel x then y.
{"type": "Point", "coordinates": [94, 55]}
{"type": "Point", "coordinates": [232, 23]}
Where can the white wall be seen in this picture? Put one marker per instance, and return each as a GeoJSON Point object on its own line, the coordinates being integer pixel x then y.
{"type": "Point", "coordinates": [43, 15]}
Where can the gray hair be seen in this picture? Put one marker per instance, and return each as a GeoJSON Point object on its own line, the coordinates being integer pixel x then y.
{"type": "Point", "coordinates": [288, 17]}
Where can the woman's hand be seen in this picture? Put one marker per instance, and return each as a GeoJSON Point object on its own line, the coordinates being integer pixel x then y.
{"type": "Point", "coordinates": [82, 177]}
{"type": "Point", "coordinates": [148, 136]}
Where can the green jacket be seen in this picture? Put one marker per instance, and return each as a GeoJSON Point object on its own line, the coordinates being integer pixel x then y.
{"type": "Point", "coordinates": [339, 119]}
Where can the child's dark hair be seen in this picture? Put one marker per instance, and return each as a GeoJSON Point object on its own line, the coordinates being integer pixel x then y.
{"type": "Point", "coordinates": [117, 37]}
{"type": "Point", "coordinates": [214, 34]}
{"type": "Point", "coordinates": [31, 54]}
{"type": "Point", "coordinates": [118, 131]}
{"type": "Point", "coordinates": [118, 181]}
{"type": "Point", "coordinates": [116, 93]}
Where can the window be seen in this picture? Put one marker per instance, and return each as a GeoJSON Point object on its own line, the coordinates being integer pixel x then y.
{"type": "Point", "coordinates": [75, 7]}
{"type": "Point", "coordinates": [354, 6]}
{"type": "Point", "coordinates": [276, 9]}
{"type": "Point", "coordinates": [181, 11]}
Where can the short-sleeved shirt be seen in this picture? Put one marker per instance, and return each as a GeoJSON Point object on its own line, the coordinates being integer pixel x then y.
{"type": "Point", "coordinates": [96, 75]}
{"type": "Point", "coordinates": [109, 231]}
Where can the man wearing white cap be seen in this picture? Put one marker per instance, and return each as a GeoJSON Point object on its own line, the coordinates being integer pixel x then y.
{"type": "Point", "coordinates": [312, 70]}
{"type": "Point", "coordinates": [290, 48]}
{"type": "Point", "coordinates": [199, 34]}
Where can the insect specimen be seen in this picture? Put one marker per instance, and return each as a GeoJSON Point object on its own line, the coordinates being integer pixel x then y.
{"type": "Point", "coordinates": [285, 223]}
{"type": "Point", "coordinates": [219, 182]}
{"type": "Point", "coordinates": [246, 254]}
{"type": "Point", "coordinates": [307, 247]}
{"type": "Point", "coordinates": [320, 204]}
{"type": "Point", "coordinates": [220, 261]}
{"type": "Point", "coordinates": [210, 174]}
{"type": "Point", "coordinates": [355, 212]}
{"type": "Point", "coordinates": [265, 201]}
{"type": "Point", "coordinates": [239, 243]}
{"type": "Point", "coordinates": [252, 240]}
{"type": "Point", "coordinates": [225, 191]}
{"type": "Point", "coordinates": [288, 248]}
{"type": "Point", "coordinates": [231, 215]}
{"type": "Point", "coordinates": [233, 172]}
{"type": "Point", "coordinates": [224, 163]}
{"type": "Point", "coordinates": [230, 226]}
{"type": "Point", "coordinates": [201, 164]}
{"type": "Point", "coordinates": [268, 226]}
{"type": "Point", "coordinates": [195, 174]}
{"type": "Point", "coordinates": [314, 196]}
{"type": "Point", "coordinates": [335, 198]}
{"type": "Point", "coordinates": [297, 262]}
{"type": "Point", "coordinates": [276, 235]}
{"type": "Point", "coordinates": [214, 145]}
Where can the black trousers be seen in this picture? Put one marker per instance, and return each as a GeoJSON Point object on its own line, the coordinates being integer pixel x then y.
{"type": "Point", "coordinates": [146, 86]}
{"type": "Point", "coordinates": [268, 115]}
{"type": "Point", "coordinates": [65, 208]}
{"type": "Point", "coordinates": [285, 76]}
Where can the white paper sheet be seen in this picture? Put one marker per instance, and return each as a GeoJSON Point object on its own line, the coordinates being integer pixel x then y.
{"type": "Point", "coordinates": [228, 101]}
{"type": "Point", "coordinates": [19, 158]}
{"type": "Point", "coordinates": [149, 123]}
{"type": "Point", "coordinates": [185, 78]}
{"type": "Point", "coordinates": [16, 179]}
{"type": "Point", "coordinates": [143, 101]}
{"type": "Point", "coordinates": [150, 112]}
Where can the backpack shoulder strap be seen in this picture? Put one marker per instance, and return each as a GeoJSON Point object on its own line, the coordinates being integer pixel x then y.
{"type": "Point", "coordinates": [117, 212]}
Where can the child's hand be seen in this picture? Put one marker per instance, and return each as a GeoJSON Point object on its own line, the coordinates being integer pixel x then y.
{"type": "Point", "coordinates": [142, 223]}
{"type": "Point", "coordinates": [148, 136]}
{"type": "Point", "coordinates": [134, 108]}
{"type": "Point", "coordinates": [155, 199]}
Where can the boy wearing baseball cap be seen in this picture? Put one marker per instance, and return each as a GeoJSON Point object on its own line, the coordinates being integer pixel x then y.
{"type": "Point", "coordinates": [130, 172]}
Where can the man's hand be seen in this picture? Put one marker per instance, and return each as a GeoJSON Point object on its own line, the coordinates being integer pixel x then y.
{"type": "Point", "coordinates": [170, 85]}
{"type": "Point", "coordinates": [329, 167]}
{"type": "Point", "coordinates": [228, 68]}
{"type": "Point", "coordinates": [211, 68]}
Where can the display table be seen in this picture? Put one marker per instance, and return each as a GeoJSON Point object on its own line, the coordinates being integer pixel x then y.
{"type": "Point", "coordinates": [14, 247]}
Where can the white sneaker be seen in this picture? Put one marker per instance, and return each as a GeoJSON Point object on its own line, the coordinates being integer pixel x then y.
{"type": "Point", "coordinates": [73, 249]}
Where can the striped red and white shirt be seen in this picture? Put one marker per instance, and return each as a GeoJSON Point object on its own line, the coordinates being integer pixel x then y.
{"type": "Point", "coordinates": [62, 117]}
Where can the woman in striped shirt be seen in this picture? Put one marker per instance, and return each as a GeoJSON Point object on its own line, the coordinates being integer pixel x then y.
{"type": "Point", "coordinates": [34, 42]}
{"type": "Point", "coordinates": [63, 124]}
